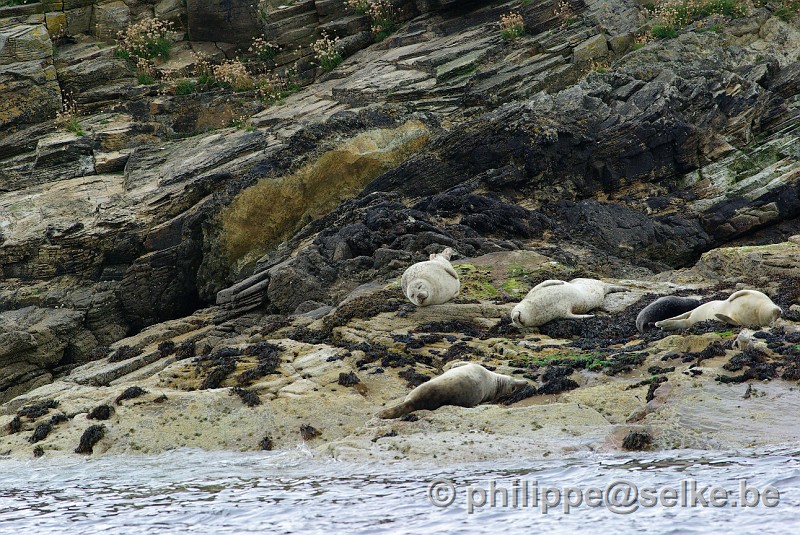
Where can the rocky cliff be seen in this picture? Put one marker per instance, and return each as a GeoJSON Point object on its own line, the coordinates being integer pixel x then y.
{"type": "Point", "coordinates": [235, 257]}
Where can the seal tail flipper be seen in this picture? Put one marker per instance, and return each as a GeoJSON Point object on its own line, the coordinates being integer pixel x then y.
{"type": "Point", "coordinates": [612, 288]}
{"type": "Point", "coordinates": [397, 411]}
{"type": "Point", "coordinates": [673, 324]}
{"type": "Point", "coordinates": [572, 316]}
{"type": "Point", "coordinates": [727, 319]}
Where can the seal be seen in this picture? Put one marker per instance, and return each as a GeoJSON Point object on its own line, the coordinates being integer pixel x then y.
{"type": "Point", "coordinates": [465, 384]}
{"type": "Point", "coordinates": [750, 308]}
{"type": "Point", "coordinates": [555, 299]}
{"type": "Point", "coordinates": [432, 282]}
{"type": "Point", "coordinates": [663, 308]}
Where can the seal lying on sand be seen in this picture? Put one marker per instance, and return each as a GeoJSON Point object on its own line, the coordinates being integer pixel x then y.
{"type": "Point", "coordinates": [554, 299]}
{"type": "Point", "coordinates": [745, 307]}
{"type": "Point", "coordinates": [663, 308]}
{"type": "Point", "coordinates": [465, 384]}
{"type": "Point", "coordinates": [432, 282]}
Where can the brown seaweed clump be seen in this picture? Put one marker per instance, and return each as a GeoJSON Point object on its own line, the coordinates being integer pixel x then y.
{"type": "Point", "coordinates": [101, 412]}
{"type": "Point", "coordinates": [348, 379]}
{"type": "Point", "coordinates": [37, 409]}
{"type": "Point", "coordinates": [90, 437]}
{"type": "Point", "coordinates": [637, 441]}
{"type": "Point", "coordinates": [248, 397]}
{"type": "Point", "coordinates": [308, 432]}
{"type": "Point", "coordinates": [130, 393]}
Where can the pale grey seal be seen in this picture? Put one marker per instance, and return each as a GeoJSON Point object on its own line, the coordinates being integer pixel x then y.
{"type": "Point", "coordinates": [465, 384]}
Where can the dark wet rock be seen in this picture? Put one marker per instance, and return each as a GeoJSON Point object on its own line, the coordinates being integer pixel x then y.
{"type": "Point", "coordinates": [186, 350]}
{"type": "Point", "coordinates": [101, 412]}
{"type": "Point", "coordinates": [89, 438]}
{"type": "Point", "coordinates": [130, 393]}
{"type": "Point", "coordinates": [248, 397]}
{"type": "Point", "coordinates": [637, 441]}
{"type": "Point", "coordinates": [124, 353]}
{"type": "Point", "coordinates": [166, 348]}
{"type": "Point", "coordinates": [99, 352]}
{"type": "Point", "coordinates": [308, 432]}
{"type": "Point", "coordinates": [668, 241]}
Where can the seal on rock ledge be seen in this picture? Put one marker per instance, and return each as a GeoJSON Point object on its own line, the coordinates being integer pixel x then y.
{"type": "Point", "coordinates": [465, 384]}
{"type": "Point", "coordinates": [745, 307]}
{"type": "Point", "coordinates": [663, 308]}
{"type": "Point", "coordinates": [432, 282]}
{"type": "Point", "coordinates": [555, 299]}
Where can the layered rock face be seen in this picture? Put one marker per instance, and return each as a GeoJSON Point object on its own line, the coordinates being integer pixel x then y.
{"type": "Point", "coordinates": [571, 151]}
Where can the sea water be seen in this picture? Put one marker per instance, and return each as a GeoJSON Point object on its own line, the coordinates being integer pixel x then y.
{"type": "Point", "coordinates": [191, 491]}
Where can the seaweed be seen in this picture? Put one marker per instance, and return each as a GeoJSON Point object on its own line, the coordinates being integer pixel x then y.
{"type": "Point", "coordinates": [348, 379]}
{"type": "Point", "coordinates": [89, 438]}
{"type": "Point", "coordinates": [101, 412]}
{"type": "Point", "coordinates": [248, 397]}
{"type": "Point", "coordinates": [37, 409]}
{"type": "Point", "coordinates": [637, 441]}
{"type": "Point", "coordinates": [308, 432]}
{"type": "Point", "coordinates": [414, 379]}
{"type": "Point", "coordinates": [130, 393]}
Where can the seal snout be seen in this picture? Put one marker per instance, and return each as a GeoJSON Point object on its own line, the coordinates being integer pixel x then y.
{"type": "Point", "coordinates": [420, 297]}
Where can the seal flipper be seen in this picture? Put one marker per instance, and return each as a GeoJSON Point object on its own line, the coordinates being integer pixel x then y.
{"type": "Point", "coordinates": [727, 319]}
{"type": "Point", "coordinates": [572, 316]}
{"type": "Point", "coordinates": [397, 411]}
{"type": "Point", "coordinates": [612, 288]}
{"type": "Point", "coordinates": [673, 324]}
{"type": "Point", "coordinates": [737, 295]}
{"type": "Point", "coordinates": [547, 283]}
{"type": "Point", "coordinates": [450, 271]}
{"type": "Point", "coordinates": [678, 322]}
